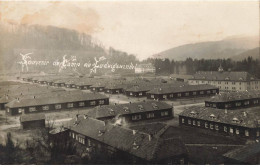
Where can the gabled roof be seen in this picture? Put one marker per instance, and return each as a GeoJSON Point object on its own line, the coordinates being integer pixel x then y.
{"type": "Point", "coordinates": [121, 138]}
{"type": "Point", "coordinates": [122, 109]}
{"type": "Point", "coordinates": [32, 117]}
{"type": "Point", "coordinates": [249, 117]}
{"type": "Point", "coordinates": [233, 96]}
{"type": "Point", "coordinates": [223, 76]}
{"type": "Point", "coordinates": [64, 97]}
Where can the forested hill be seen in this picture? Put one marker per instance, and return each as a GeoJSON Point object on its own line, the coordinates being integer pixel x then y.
{"type": "Point", "coordinates": [225, 48]}
{"type": "Point", "coordinates": [47, 43]}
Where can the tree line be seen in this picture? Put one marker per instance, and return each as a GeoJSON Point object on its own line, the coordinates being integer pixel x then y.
{"type": "Point", "coordinates": [190, 66]}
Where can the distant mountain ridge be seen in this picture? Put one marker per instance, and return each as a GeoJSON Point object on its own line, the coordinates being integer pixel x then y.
{"type": "Point", "coordinates": [225, 48]}
{"type": "Point", "coordinates": [254, 53]}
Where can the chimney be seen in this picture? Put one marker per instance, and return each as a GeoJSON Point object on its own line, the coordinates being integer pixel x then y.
{"type": "Point", "coordinates": [77, 116]}
{"type": "Point", "coordinates": [134, 132]}
{"type": "Point", "coordinates": [150, 137]}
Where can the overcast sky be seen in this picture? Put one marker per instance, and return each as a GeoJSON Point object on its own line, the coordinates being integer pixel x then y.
{"type": "Point", "coordinates": [141, 28]}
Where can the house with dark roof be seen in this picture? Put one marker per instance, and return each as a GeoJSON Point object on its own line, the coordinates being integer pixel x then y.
{"type": "Point", "coordinates": [137, 91]}
{"type": "Point", "coordinates": [243, 123]}
{"type": "Point", "coordinates": [246, 155]}
{"type": "Point", "coordinates": [132, 112]}
{"type": "Point", "coordinates": [61, 101]}
{"type": "Point", "coordinates": [32, 121]}
{"type": "Point", "coordinates": [183, 91]}
{"type": "Point", "coordinates": [131, 146]}
{"type": "Point", "coordinates": [233, 100]}
{"type": "Point", "coordinates": [114, 89]}
{"type": "Point", "coordinates": [144, 68]}
{"type": "Point", "coordinates": [98, 87]}
{"type": "Point", "coordinates": [226, 80]}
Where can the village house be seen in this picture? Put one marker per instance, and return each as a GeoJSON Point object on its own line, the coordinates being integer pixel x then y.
{"type": "Point", "coordinates": [69, 100]}
{"type": "Point", "coordinates": [132, 112]}
{"type": "Point", "coordinates": [144, 68]}
{"type": "Point", "coordinates": [226, 80]}
{"type": "Point", "coordinates": [114, 89]}
{"type": "Point", "coordinates": [234, 100]}
{"type": "Point", "coordinates": [83, 85]}
{"type": "Point", "coordinates": [137, 91]}
{"type": "Point", "coordinates": [185, 91]}
{"type": "Point", "coordinates": [239, 122]}
{"type": "Point", "coordinates": [131, 146]}
{"type": "Point", "coordinates": [98, 87]}
{"type": "Point", "coordinates": [32, 121]}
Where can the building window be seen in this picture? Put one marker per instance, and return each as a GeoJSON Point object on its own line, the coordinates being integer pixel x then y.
{"type": "Point", "coordinates": [89, 142]}
{"type": "Point", "coordinates": [164, 113]}
{"type": "Point", "coordinates": [81, 104]}
{"type": "Point", "coordinates": [237, 131]}
{"type": "Point", "coordinates": [216, 127]}
{"type": "Point", "coordinates": [137, 117]}
{"type": "Point", "coordinates": [207, 104]}
{"type": "Point", "coordinates": [179, 94]}
{"type": "Point", "coordinates": [256, 101]}
{"type": "Point", "coordinates": [201, 92]}
{"type": "Point", "coordinates": [171, 95]}
{"type": "Point", "coordinates": [214, 105]}
{"type": "Point", "coordinates": [225, 129]}
{"type": "Point", "coordinates": [8, 110]}
{"type": "Point", "coordinates": [198, 123]}
{"type": "Point", "coordinates": [100, 89]}
{"type": "Point", "coordinates": [73, 135]}
{"type": "Point", "coordinates": [21, 110]}
{"type": "Point", "coordinates": [140, 94]}
{"type": "Point", "coordinates": [101, 102]}
{"type": "Point", "coordinates": [165, 96]}
{"type": "Point", "coordinates": [58, 106]}
{"type": "Point", "coordinates": [246, 133]}
{"type": "Point", "coordinates": [131, 93]}
{"type": "Point", "coordinates": [152, 96]}
{"type": "Point", "coordinates": [194, 93]}
{"type": "Point", "coordinates": [257, 133]}
{"type": "Point", "coordinates": [194, 122]}
{"type": "Point", "coordinates": [32, 109]}
{"type": "Point", "coordinates": [150, 115]}
{"type": "Point", "coordinates": [187, 94]}
{"type": "Point", "coordinates": [246, 102]}
{"type": "Point", "coordinates": [213, 91]}
{"type": "Point", "coordinates": [189, 122]}
{"type": "Point", "coordinates": [238, 104]}
{"type": "Point", "coordinates": [45, 107]}
{"type": "Point", "coordinates": [211, 126]}
{"type": "Point", "coordinates": [70, 105]}
{"type": "Point", "coordinates": [233, 83]}
{"type": "Point", "coordinates": [231, 130]}
{"type": "Point", "coordinates": [227, 105]}
{"type": "Point", "coordinates": [208, 92]}
{"type": "Point", "coordinates": [93, 103]}
{"type": "Point", "coordinates": [93, 88]}
{"type": "Point", "coordinates": [206, 125]}
{"type": "Point", "coordinates": [183, 120]}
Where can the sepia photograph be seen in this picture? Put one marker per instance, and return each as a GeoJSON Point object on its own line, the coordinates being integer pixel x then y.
{"type": "Point", "coordinates": [129, 82]}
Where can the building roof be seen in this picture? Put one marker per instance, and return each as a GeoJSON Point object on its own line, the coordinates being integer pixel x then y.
{"type": "Point", "coordinates": [137, 143]}
{"type": "Point", "coordinates": [182, 88]}
{"type": "Point", "coordinates": [234, 96]}
{"type": "Point", "coordinates": [123, 109]}
{"type": "Point", "coordinates": [244, 153]}
{"type": "Point", "coordinates": [223, 76]}
{"type": "Point", "coordinates": [64, 97]}
{"type": "Point", "coordinates": [249, 117]}
{"type": "Point", "coordinates": [32, 117]}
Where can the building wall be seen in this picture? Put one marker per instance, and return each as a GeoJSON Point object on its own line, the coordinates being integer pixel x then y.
{"type": "Point", "coordinates": [187, 94]}
{"type": "Point", "coordinates": [15, 111]}
{"type": "Point", "coordinates": [136, 94]}
{"type": "Point", "coordinates": [229, 85]}
{"type": "Point", "coordinates": [198, 123]}
{"type": "Point", "coordinates": [233, 104]}
{"type": "Point", "coordinates": [33, 124]}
